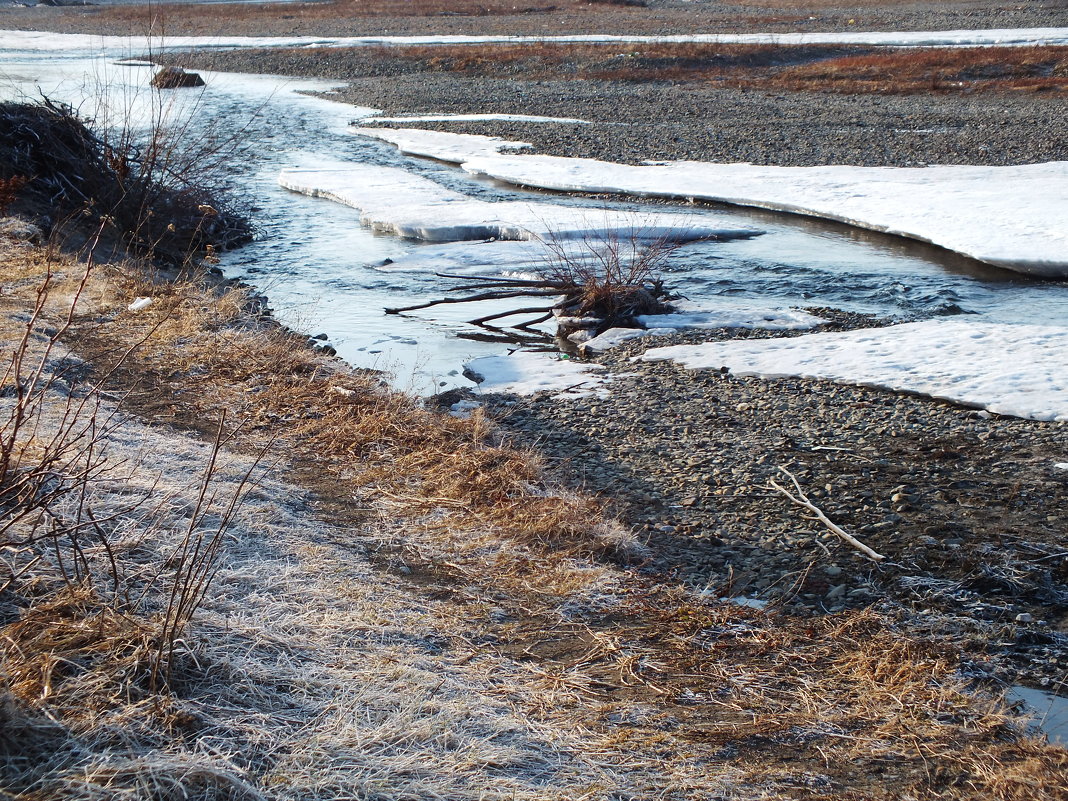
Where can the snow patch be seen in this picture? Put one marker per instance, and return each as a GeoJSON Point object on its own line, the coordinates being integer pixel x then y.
{"type": "Point", "coordinates": [441, 145]}
{"type": "Point", "coordinates": [617, 336]}
{"type": "Point", "coordinates": [50, 42]}
{"type": "Point", "coordinates": [1061, 465]}
{"type": "Point", "coordinates": [1016, 370]}
{"type": "Point", "coordinates": [395, 201]}
{"type": "Point", "coordinates": [526, 373]}
{"type": "Point", "coordinates": [742, 317]}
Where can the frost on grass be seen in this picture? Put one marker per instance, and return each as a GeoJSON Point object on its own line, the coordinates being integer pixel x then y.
{"type": "Point", "coordinates": [1015, 370]}
{"type": "Point", "coordinates": [305, 673]}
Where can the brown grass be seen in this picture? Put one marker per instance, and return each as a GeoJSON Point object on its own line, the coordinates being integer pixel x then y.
{"type": "Point", "coordinates": [765, 706]}
{"type": "Point", "coordinates": [213, 357]}
{"type": "Point", "coordinates": [938, 70]}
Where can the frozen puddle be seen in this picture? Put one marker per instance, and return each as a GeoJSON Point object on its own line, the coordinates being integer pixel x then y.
{"type": "Point", "coordinates": [392, 200]}
{"type": "Point", "coordinates": [1016, 370]}
{"type": "Point", "coordinates": [526, 373]}
{"type": "Point", "coordinates": [1011, 217]}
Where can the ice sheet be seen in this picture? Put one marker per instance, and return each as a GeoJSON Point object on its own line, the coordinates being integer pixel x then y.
{"type": "Point", "coordinates": [37, 40]}
{"type": "Point", "coordinates": [1011, 217]}
{"type": "Point", "coordinates": [395, 201]}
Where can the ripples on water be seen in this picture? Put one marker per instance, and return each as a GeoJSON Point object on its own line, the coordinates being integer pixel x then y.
{"type": "Point", "coordinates": [318, 264]}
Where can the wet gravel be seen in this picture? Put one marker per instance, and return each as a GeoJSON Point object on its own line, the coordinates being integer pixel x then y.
{"type": "Point", "coordinates": [635, 123]}
{"type": "Point", "coordinates": [966, 506]}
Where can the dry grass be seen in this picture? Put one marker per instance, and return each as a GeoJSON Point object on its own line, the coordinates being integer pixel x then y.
{"type": "Point", "coordinates": [383, 443]}
{"type": "Point", "coordinates": [523, 669]}
{"type": "Point", "coordinates": [937, 70]}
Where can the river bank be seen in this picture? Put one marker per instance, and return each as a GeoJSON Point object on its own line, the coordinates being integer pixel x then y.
{"type": "Point", "coordinates": [402, 588]}
{"type": "Point", "coordinates": [933, 486]}
{"type": "Point", "coordinates": [423, 610]}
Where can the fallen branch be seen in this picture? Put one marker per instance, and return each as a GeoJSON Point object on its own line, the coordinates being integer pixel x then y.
{"type": "Point", "coordinates": [468, 299]}
{"type": "Point", "coordinates": [817, 514]}
{"type": "Point", "coordinates": [511, 312]}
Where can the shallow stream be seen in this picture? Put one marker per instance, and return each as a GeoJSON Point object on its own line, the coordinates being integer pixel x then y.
{"type": "Point", "coordinates": [323, 270]}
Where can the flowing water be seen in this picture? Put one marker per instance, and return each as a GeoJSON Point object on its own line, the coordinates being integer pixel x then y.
{"type": "Point", "coordinates": [324, 272]}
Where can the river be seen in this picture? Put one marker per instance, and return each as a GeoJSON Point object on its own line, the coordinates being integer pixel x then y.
{"type": "Point", "coordinates": [324, 272]}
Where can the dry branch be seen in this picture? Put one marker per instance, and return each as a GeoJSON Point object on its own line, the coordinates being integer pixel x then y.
{"type": "Point", "coordinates": [817, 514]}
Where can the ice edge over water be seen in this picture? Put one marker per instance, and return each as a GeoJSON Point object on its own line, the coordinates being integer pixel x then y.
{"type": "Point", "coordinates": [395, 201]}
{"type": "Point", "coordinates": [1011, 217]}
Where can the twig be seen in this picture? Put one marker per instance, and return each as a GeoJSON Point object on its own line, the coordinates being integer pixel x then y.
{"type": "Point", "coordinates": [802, 500]}
{"type": "Point", "coordinates": [511, 312]}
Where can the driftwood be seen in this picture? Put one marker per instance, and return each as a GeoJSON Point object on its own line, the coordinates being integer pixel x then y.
{"type": "Point", "coordinates": [610, 304]}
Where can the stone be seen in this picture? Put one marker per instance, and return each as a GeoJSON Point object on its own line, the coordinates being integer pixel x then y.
{"type": "Point", "coordinates": [176, 78]}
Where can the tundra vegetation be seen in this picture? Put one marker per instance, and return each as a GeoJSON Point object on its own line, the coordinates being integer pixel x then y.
{"type": "Point", "coordinates": [234, 568]}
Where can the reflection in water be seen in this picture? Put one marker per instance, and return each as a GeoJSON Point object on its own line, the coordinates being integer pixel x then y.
{"type": "Point", "coordinates": [318, 265]}
{"type": "Point", "coordinates": [1048, 711]}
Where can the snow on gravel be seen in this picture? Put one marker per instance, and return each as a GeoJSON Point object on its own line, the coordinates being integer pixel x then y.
{"type": "Point", "coordinates": [1016, 370]}
{"type": "Point", "coordinates": [441, 145]}
{"type": "Point", "coordinates": [394, 201]}
{"type": "Point", "coordinates": [664, 324]}
{"type": "Point", "coordinates": [739, 317]}
{"type": "Point", "coordinates": [617, 336]}
{"type": "Point", "coordinates": [1011, 217]}
{"type": "Point", "coordinates": [42, 41]}
{"type": "Point", "coordinates": [528, 372]}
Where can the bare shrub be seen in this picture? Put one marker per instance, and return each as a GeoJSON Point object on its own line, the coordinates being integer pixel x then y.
{"type": "Point", "coordinates": [9, 190]}
{"type": "Point", "coordinates": [613, 279]}
{"type": "Point", "coordinates": [157, 193]}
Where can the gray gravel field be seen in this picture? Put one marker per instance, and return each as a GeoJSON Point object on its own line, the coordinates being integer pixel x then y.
{"type": "Point", "coordinates": [634, 122]}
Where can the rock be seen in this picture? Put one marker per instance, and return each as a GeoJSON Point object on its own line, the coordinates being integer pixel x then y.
{"type": "Point", "coordinates": [20, 230]}
{"type": "Point", "coordinates": [176, 78]}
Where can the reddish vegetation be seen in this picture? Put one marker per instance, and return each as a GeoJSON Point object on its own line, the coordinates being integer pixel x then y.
{"type": "Point", "coordinates": [950, 69]}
